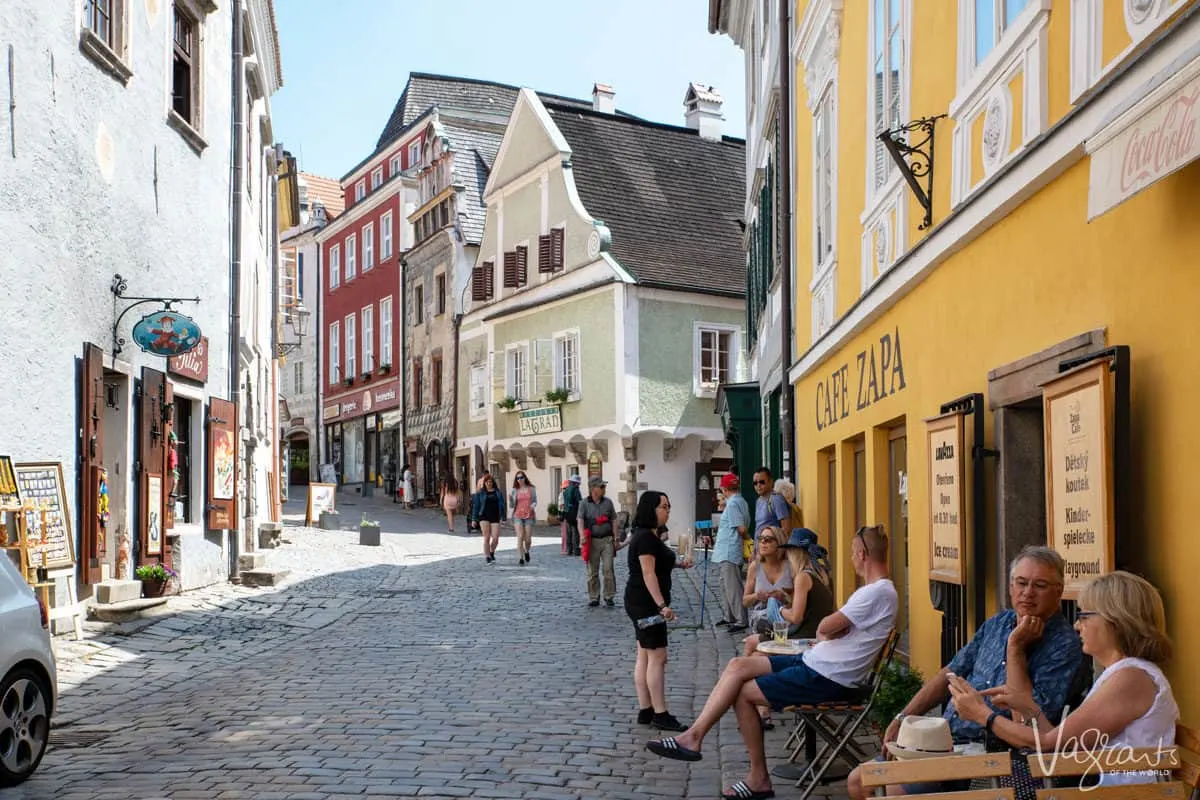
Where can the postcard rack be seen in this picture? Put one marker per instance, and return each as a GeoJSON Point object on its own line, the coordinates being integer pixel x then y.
{"type": "Point", "coordinates": [40, 579]}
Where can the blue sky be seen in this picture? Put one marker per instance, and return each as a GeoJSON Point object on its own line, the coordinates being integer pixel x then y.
{"type": "Point", "coordinates": [344, 70]}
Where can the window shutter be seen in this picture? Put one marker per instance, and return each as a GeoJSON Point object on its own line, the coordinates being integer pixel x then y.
{"type": "Point", "coordinates": [499, 376]}
{"type": "Point", "coordinates": [170, 484]}
{"type": "Point", "coordinates": [522, 265]}
{"type": "Point", "coordinates": [510, 270]}
{"type": "Point", "coordinates": [152, 458]}
{"type": "Point", "coordinates": [489, 279]}
{"type": "Point", "coordinates": [91, 536]}
{"type": "Point", "coordinates": [544, 254]}
{"type": "Point", "coordinates": [222, 458]}
{"type": "Point", "coordinates": [543, 368]}
{"type": "Point", "coordinates": [556, 249]}
{"type": "Point", "coordinates": [481, 280]}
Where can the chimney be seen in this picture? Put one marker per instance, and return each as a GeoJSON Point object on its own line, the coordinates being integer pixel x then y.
{"type": "Point", "coordinates": [702, 111]}
{"type": "Point", "coordinates": [604, 99]}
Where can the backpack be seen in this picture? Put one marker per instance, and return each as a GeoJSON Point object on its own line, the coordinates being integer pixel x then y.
{"type": "Point", "coordinates": [797, 516]}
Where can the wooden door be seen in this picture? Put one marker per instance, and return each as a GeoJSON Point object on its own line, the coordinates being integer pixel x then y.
{"type": "Point", "coordinates": [169, 464]}
{"type": "Point", "coordinates": [92, 544]}
{"type": "Point", "coordinates": [221, 460]}
{"type": "Point", "coordinates": [151, 465]}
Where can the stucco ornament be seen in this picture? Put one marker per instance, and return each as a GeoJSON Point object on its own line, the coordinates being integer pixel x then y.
{"type": "Point", "coordinates": [1143, 16]}
{"type": "Point", "coordinates": [593, 244]}
{"type": "Point", "coordinates": [1139, 11]}
{"type": "Point", "coordinates": [883, 243]}
{"type": "Point", "coordinates": [995, 131]}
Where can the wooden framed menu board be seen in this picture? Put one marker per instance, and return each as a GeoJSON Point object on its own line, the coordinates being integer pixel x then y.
{"type": "Point", "coordinates": [42, 485]}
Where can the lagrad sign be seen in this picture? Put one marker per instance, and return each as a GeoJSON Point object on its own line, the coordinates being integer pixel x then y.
{"type": "Point", "coordinates": [541, 420]}
{"type": "Point", "coordinates": [1146, 144]}
{"type": "Point", "coordinates": [878, 373]}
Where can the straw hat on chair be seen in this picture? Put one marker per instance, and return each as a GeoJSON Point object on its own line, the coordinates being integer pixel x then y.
{"type": "Point", "coordinates": [922, 737]}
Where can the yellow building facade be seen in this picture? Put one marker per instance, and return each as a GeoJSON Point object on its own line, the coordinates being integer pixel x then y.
{"type": "Point", "coordinates": [1064, 229]}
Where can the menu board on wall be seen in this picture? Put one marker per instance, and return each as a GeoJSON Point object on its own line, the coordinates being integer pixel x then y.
{"type": "Point", "coordinates": [947, 517]}
{"type": "Point", "coordinates": [41, 485]}
{"type": "Point", "coordinates": [1079, 490]}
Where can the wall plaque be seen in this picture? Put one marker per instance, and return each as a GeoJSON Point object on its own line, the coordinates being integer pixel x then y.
{"type": "Point", "coordinates": [534, 421]}
{"type": "Point", "coordinates": [192, 364]}
{"type": "Point", "coordinates": [947, 480]}
{"type": "Point", "coordinates": [42, 486]}
{"type": "Point", "coordinates": [1079, 478]}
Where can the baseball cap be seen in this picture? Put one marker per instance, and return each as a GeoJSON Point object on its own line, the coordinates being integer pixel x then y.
{"type": "Point", "coordinates": [597, 481]}
{"type": "Point", "coordinates": [729, 481]}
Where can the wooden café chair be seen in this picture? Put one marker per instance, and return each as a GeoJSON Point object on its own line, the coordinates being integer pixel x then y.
{"type": "Point", "coordinates": [878, 775]}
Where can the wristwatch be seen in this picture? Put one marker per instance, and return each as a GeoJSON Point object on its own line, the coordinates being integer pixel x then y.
{"type": "Point", "coordinates": [900, 717]}
{"type": "Point", "coordinates": [661, 606]}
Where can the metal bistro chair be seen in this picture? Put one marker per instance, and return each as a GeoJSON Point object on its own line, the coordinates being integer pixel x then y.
{"type": "Point", "coordinates": [837, 723]}
{"type": "Point", "coordinates": [878, 775]}
{"type": "Point", "coordinates": [1178, 769]}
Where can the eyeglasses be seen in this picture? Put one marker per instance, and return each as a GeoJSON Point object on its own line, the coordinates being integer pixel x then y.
{"type": "Point", "coordinates": [1080, 616]}
{"type": "Point", "coordinates": [760, 483]}
{"type": "Point", "coordinates": [1021, 584]}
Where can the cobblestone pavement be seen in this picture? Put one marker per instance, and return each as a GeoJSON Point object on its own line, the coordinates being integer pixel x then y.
{"type": "Point", "coordinates": [407, 670]}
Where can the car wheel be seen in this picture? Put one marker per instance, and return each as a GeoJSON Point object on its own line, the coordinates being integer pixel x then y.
{"type": "Point", "coordinates": [24, 725]}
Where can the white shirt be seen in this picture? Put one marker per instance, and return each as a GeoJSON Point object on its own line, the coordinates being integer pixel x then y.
{"type": "Point", "coordinates": [848, 660]}
{"type": "Point", "coordinates": [1155, 728]}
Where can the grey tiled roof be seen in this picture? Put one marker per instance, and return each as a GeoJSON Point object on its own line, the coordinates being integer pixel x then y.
{"type": "Point", "coordinates": [475, 145]}
{"type": "Point", "coordinates": [425, 90]}
{"type": "Point", "coordinates": [670, 198]}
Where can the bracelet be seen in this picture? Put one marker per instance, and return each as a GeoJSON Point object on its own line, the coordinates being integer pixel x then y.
{"type": "Point", "coordinates": [900, 717]}
{"type": "Point", "coordinates": [991, 720]}
{"type": "Point", "coordinates": [661, 606]}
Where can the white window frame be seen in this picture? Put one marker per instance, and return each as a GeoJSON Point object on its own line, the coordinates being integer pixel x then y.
{"type": "Point", "coordinates": [385, 331]}
{"type": "Point", "coordinates": [335, 266]}
{"type": "Point", "coordinates": [700, 388]}
{"type": "Point", "coordinates": [477, 410]}
{"type": "Point", "coordinates": [335, 353]}
{"type": "Point", "coordinates": [567, 378]}
{"type": "Point", "coordinates": [516, 370]}
{"type": "Point", "coordinates": [368, 247]}
{"type": "Point", "coordinates": [825, 166]}
{"type": "Point", "coordinates": [351, 257]}
{"type": "Point", "coordinates": [968, 44]}
{"type": "Point", "coordinates": [385, 236]}
{"type": "Point", "coordinates": [376, 177]}
{"type": "Point", "coordinates": [367, 328]}
{"type": "Point", "coordinates": [880, 185]}
{"type": "Point", "coordinates": [298, 378]}
{"type": "Point", "coordinates": [394, 165]}
{"type": "Point", "coordinates": [414, 154]}
{"type": "Point", "coordinates": [360, 190]}
{"type": "Point", "coordinates": [351, 346]}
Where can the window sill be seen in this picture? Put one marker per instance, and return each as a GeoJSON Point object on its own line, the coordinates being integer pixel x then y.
{"type": "Point", "coordinates": [103, 56]}
{"type": "Point", "coordinates": [822, 271]}
{"type": "Point", "coordinates": [185, 130]}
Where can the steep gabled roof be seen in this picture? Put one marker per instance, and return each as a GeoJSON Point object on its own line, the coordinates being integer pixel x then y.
{"type": "Point", "coordinates": [671, 199]}
{"type": "Point", "coordinates": [475, 145]}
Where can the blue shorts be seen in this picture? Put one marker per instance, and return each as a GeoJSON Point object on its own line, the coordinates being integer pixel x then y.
{"type": "Point", "coordinates": [793, 683]}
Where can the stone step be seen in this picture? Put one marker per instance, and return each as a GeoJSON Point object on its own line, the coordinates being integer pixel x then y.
{"type": "Point", "coordinates": [117, 591]}
{"type": "Point", "coordinates": [269, 534]}
{"type": "Point", "coordinates": [126, 610]}
{"type": "Point", "coordinates": [264, 576]}
{"type": "Point", "coordinates": [252, 561]}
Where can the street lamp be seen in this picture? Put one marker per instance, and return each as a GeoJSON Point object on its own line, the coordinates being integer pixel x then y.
{"type": "Point", "coordinates": [301, 317]}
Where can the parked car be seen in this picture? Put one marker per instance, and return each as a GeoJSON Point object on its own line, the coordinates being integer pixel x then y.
{"type": "Point", "coordinates": [29, 686]}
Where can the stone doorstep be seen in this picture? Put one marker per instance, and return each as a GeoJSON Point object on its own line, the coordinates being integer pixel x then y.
{"type": "Point", "coordinates": [264, 576]}
{"type": "Point", "coordinates": [114, 591]}
{"type": "Point", "coordinates": [126, 610]}
{"type": "Point", "coordinates": [251, 561]}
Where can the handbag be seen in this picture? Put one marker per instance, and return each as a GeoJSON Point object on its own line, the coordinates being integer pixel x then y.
{"type": "Point", "coordinates": [586, 549]}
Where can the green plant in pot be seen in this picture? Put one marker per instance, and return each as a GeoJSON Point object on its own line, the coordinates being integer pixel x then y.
{"type": "Point", "coordinates": [507, 404]}
{"type": "Point", "coordinates": [900, 684]}
{"type": "Point", "coordinates": [557, 396]}
{"type": "Point", "coordinates": [154, 578]}
{"type": "Point", "coordinates": [552, 512]}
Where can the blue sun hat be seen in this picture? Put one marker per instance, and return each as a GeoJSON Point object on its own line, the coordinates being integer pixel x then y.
{"type": "Point", "coordinates": [806, 539]}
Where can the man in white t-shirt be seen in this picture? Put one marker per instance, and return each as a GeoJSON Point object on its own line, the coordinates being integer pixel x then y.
{"type": "Point", "coordinates": [835, 669]}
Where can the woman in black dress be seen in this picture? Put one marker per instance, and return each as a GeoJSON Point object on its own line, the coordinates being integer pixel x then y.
{"type": "Point", "coordinates": [648, 604]}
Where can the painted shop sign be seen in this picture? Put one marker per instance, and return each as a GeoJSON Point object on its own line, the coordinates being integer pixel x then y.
{"type": "Point", "coordinates": [540, 420]}
{"type": "Point", "coordinates": [1079, 498]}
{"type": "Point", "coordinates": [878, 373]}
{"type": "Point", "coordinates": [166, 333]}
{"type": "Point", "coordinates": [193, 364]}
{"type": "Point", "coordinates": [375, 398]}
{"type": "Point", "coordinates": [1162, 137]}
{"type": "Point", "coordinates": [947, 518]}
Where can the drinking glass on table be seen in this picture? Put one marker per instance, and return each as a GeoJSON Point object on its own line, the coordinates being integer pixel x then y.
{"type": "Point", "coordinates": [780, 629]}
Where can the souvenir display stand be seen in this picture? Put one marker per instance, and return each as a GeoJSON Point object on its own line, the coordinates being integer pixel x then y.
{"type": "Point", "coordinates": [31, 561]}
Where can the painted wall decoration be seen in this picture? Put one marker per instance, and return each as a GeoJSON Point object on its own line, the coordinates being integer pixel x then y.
{"type": "Point", "coordinates": [166, 333]}
{"type": "Point", "coordinates": [42, 485]}
{"type": "Point", "coordinates": [154, 521]}
{"type": "Point", "coordinates": [224, 464]}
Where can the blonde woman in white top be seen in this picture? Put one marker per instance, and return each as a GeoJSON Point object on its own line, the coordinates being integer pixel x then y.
{"type": "Point", "coordinates": [1122, 626]}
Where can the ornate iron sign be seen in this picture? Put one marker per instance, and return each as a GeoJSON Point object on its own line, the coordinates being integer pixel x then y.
{"type": "Point", "coordinates": [166, 333]}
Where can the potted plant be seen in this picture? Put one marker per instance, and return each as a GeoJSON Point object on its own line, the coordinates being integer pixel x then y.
{"type": "Point", "coordinates": [366, 376]}
{"type": "Point", "coordinates": [558, 396]}
{"type": "Point", "coordinates": [900, 684]}
{"type": "Point", "coordinates": [385, 368]}
{"type": "Point", "coordinates": [154, 578]}
{"type": "Point", "coordinates": [552, 512]}
{"type": "Point", "coordinates": [349, 380]}
{"type": "Point", "coordinates": [507, 404]}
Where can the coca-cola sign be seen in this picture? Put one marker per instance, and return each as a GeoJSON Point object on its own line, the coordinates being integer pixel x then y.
{"type": "Point", "coordinates": [1145, 149]}
{"type": "Point", "coordinates": [192, 364]}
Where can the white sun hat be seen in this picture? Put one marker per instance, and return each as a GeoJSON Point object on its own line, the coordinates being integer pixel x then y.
{"type": "Point", "coordinates": [923, 737]}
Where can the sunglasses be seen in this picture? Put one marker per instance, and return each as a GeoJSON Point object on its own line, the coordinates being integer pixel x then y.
{"type": "Point", "coordinates": [760, 483]}
{"type": "Point", "coordinates": [771, 539]}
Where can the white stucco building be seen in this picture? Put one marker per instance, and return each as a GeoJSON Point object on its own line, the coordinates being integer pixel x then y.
{"type": "Point", "coordinates": [115, 160]}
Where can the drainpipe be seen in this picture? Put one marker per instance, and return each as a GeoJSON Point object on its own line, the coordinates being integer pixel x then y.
{"type": "Point", "coordinates": [784, 132]}
{"type": "Point", "coordinates": [273, 429]}
{"type": "Point", "coordinates": [318, 328]}
{"type": "Point", "coordinates": [403, 373]}
{"type": "Point", "coordinates": [235, 245]}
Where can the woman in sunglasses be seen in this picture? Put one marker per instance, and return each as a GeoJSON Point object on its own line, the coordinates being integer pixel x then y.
{"type": "Point", "coordinates": [488, 509]}
{"type": "Point", "coordinates": [769, 577]}
{"type": "Point", "coordinates": [523, 500]}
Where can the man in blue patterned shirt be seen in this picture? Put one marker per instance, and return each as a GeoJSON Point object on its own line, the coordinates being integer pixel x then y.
{"type": "Point", "coordinates": [1030, 645]}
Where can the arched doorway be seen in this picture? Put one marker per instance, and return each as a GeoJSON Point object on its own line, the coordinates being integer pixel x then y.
{"type": "Point", "coordinates": [298, 459]}
{"type": "Point", "coordinates": [434, 469]}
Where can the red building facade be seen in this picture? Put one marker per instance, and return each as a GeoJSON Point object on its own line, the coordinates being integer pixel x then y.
{"type": "Point", "coordinates": [361, 311]}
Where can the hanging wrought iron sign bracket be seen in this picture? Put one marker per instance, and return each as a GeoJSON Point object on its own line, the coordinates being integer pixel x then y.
{"type": "Point", "coordinates": [919, 166]}
{"type": "Point", "coordinates": [118, 289]}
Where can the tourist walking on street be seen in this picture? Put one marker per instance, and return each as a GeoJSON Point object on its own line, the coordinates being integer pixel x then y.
{"type": "Point", "coordinates": [407, 483]}
{"type": "Point", "coordinates": [732, 531]}
{"type": "Point", "coordinates": [648, 604]}
{"type": "Point", "coordinates": [599, 516]}
{"type": "Point", "coordinates": [572, 500]}
{"type": "Point", "coordinates": [487, 507]}
{"type": "Point", "coordinates": [523, 500]}
{"type": "Point", "coordinates": [449, 501]}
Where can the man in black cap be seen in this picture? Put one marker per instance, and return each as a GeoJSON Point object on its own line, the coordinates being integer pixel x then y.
{"type": "Point", "coordinates": [571, 502]}
{"type": "Point", "coordinates": [598, 518]}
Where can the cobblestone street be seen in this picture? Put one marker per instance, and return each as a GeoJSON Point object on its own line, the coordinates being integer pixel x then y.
{"type": "Point", "coordinates": [407, 670]}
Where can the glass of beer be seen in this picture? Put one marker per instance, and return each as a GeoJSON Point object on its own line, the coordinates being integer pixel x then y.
{"type": "Point", "coordinates": [780, 629]}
